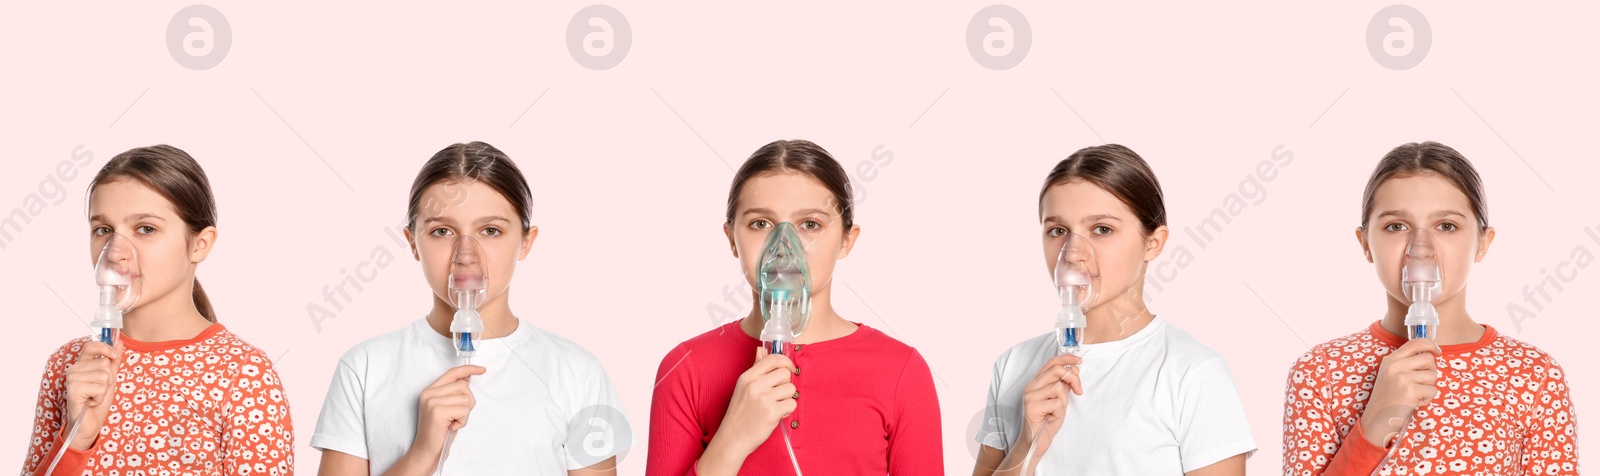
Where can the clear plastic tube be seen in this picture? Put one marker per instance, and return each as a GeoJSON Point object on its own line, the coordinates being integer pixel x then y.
{"type": "Point", "coordinates": [449, 438]}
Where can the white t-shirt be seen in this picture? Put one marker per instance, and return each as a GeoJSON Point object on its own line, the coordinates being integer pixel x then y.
{"type": "Point", "coordinates": [1156, 403]}
{"type": "Point", "coordinates": [544, 405]}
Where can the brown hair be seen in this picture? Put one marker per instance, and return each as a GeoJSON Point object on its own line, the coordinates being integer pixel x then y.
{"type": "Point", "coordinates": [1429, 158]}
{"type": "Point", "coordinates": [176, 176]}
{"type": "Point", "coordinates": [479, 162]}
{"type": "Point", "coordinates": [800, 156]}
{"type": "Point", "coordinates": [1118, 170]}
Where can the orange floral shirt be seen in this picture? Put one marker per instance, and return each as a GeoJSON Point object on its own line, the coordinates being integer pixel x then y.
{"type": "Point", "coordinates": [210, 405]}
{"type": "Point", "coordinates": [1502, 410]}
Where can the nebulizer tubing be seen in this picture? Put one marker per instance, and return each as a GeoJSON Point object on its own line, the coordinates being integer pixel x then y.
{"type": "Point", "coordinates": [1076, 274]}
{"type": "Point", "coordinates": [1420, 280]}
{"type": "Point", "coordinates": [783, 280]}
{"type": "Point", "coordinates": [116, 272]}
{"type": "Point", "coordinates": [467, 287]}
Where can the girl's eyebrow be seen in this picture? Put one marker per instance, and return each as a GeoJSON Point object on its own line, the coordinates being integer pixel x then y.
{"type": "Point", "coordinates": [1437, 214]}
{"type": "Point", "coordinates": [800, 212]}
{"type": "Point", "coordinates": [480, 221]}
{"type": "Point", "coordinates": [132, 217]}
{"type": "Point", "coordinates": [1087, 219]}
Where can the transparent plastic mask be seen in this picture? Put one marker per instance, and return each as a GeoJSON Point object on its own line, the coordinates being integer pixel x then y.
{"type": "Point", "coordinates": [1421, 280]}
{"type": "Point", "coordinates": [783, 282]}
{"type": "Point", "coordinates": [116, 272]}
{"type": "Point", "coordinates": [1077, 280]}
{"type": "Point", "coordinates": [466, 289]}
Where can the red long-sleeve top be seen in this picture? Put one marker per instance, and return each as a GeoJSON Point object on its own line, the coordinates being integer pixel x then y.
{"type": "Point", "coordinates": [867, 406]}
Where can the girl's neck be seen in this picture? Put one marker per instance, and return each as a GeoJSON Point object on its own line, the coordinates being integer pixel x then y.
{"type": "Point", "coordinates": [1117, 319]}
{"type": "Point", "coordinates": [1455, 326]}
{"type": "Point", "coordinates": [172, 318]}
{"type": "Point", "coordinates": [825, 324]}
{"type": "Point", "coordinates": [497, 318]}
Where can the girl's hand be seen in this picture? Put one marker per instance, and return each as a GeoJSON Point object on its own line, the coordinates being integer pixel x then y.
{"type": "Point", "coordinates": [91, 388]}
{"type": "Point", "coordinates": [762, 397]}
{"type": "Point", "coordinates": [1044, 400]}
{"type": "Point", "coordinates": [1405, 383]}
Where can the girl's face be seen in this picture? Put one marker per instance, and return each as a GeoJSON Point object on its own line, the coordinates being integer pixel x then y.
{"type": "Point", "coordinates": [1121, 249]}
{"type": "Point", "coordinates": [451, 209]}
{"type": "Point", "coordinates": [773, 198]}
{"type": "Point", "coordinates": [1423, 202]}
{"type": "Point", "coordinates": [167, 253]}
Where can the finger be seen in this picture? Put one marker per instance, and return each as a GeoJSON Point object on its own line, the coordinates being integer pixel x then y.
{"type": "Point", "coordinates": [458, 373]}
{"type": "Point", "coordinates": [1073, 382]}
{"type": "Point", "coordinates": [761, 352]}
{"type": "Point", "coordinates": [1416, 346]}
{"type": "Point", "coordinates": [94, 349]}
{"type": "Point", "coordinates": [85, 380]}
{"type": "Point", "coordinates": [1045, 378]}
{"type": "Point", "coordinates": [1424, 377]}
{"type": "Point", "coordinates": [90, 366]}
{"type": "Point", "coordinates": [1063, 360]}
{"type": "Point", "coordinates": [772, 379]}
{"type": "Point", "coordinates": [459, 387]}
{"type": "Point", "coordinates": [781, 393]}
{"type": "Point", "coordinates": [1056, 390]}
{"type": "Point", "coordinates": [1057, 410]}
{"type": "Point", "coordinates": [780, 361]}
{"type": "Point", "coordinates": [1423, 361]}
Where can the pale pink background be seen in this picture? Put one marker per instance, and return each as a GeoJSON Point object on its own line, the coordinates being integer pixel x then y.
{"type": "Point", "coordinates": [949, 259]}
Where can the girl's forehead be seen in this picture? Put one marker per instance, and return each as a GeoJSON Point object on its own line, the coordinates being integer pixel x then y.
{"type": "Point", "coordinates": [786, 191]}
{"type": "Point", "coordinates": [458, 198]}
{"type": "Point", "coordinates": [117, 199]}
{"type": "Point", "coordinates": [1082, 198]}
{"type": "Point", "coordinates": [1419, 194]}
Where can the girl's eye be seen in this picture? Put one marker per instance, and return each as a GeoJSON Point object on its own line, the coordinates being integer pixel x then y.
{"type": "Point", "coordinates": [1395, 227]}
{"type": "Point", "coordinates": [145, 229]}
{"type": "Point", "coordinates": [101, 231]}
{"type": "Point", "coordinates": [441, 232]}
{"type": "Point", "coordinates": [760, 224]}
{"type": "Point", "coordinates": [1056, 232]}
{"type": "Point", "coordinates": [1447, 227]}
{"type": "Point", "coordinates": [810, 225]}
{"type": "Point", "coordinates": [1100, 230]}
{"type": "Point", "coordinates": [491, 231]}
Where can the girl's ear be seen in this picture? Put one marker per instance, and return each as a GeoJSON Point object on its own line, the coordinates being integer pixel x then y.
{"type": "Point", "coordinates": [1155, 243]}
{"type": "Point", "coordinates": [412, 242]}
{"type": "Point", "coordinates": [727, 229]}
{"type": "Point", "coordinates": [1484, 240]}
{"type": "Point", "coordinates": [527, 241]}
{"type": "Point", "coordinates": [200, 245]}
{"type": "Point", "coordinates": [849, 241]}
{"type": "Point", "coordinates": [1361, 237]}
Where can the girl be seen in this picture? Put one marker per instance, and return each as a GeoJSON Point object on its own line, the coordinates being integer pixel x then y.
{"type": "Point", "coordinates": [1489, 404]}
{"type": "Point", "coordinates": [178, 393]}
{"type": "Point", "coordinates": [396, 398]}
{"type": "Point", "coordinates": [1146, 397]}
{"type": "Point", "coordinates": [869, 405]}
